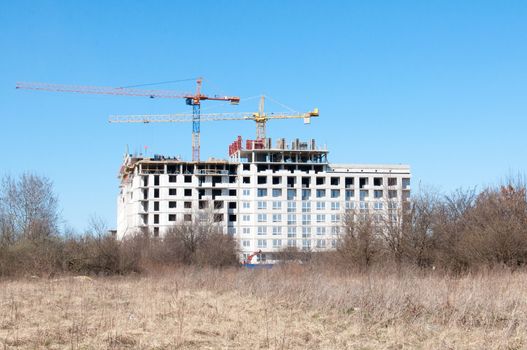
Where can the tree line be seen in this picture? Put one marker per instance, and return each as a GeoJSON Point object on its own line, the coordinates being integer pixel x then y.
{"type": "Point", "coordinates": [462, 231]}
{"type": "Point", "coordinates": [31, 242]}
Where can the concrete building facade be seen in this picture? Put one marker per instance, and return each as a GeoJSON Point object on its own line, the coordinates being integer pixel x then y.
{"type": "Point", "coordinates": [267, 197]}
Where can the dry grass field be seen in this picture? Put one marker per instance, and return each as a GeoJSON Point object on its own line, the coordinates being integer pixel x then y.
{"type": "Point", "coordinates": [282, 308]}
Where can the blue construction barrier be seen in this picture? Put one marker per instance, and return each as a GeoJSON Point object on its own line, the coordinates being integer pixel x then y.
{"type": "Point", "coordinates": [258, 266]}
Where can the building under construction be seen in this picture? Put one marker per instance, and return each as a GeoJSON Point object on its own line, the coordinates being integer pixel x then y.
{"type": "Point", "coordinates": [268, 196]}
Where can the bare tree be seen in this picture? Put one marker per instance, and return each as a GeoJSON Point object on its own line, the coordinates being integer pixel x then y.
{"type": "Point", "coordinates": [418, 223]}
{"type": "Point", "coordinates": [7, 231]}
{"type": "Point", "coordinates": [28, 207]}
{"type": "Point", "coordinates": [449, 227]}
{"type": "Point", "coordinates": [359, 244]}
{"type": "Point", "coordinates": [495, 227]}
{"type": "Point", "coordinates": [401, 231]}
{"type": "Point", "coordinates": [392, 230]}
{"type": "Point", "coordinates": [97, 226]}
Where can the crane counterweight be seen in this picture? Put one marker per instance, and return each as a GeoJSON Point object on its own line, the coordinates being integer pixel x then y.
{"type": "Point", "coordinates": [191, 99]}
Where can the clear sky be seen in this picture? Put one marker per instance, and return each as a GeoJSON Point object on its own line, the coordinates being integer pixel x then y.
{"type": "Point", "coordinates": [440, 85]}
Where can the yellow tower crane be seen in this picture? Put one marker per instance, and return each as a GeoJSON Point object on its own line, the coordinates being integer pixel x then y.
{"type": "Point", "coordinates": [259, 117]}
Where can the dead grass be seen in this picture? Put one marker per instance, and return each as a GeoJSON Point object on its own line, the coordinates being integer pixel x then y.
{"type": "Point", "coordinates": [291, 308]}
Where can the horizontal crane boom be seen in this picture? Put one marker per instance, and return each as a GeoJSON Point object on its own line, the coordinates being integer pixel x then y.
{"type": "Point", "coordinates": [106, 90]}
{"type": "Point", "coordinates": [193, 100]}
{"type": "Point", "coordinates": [184, 117]}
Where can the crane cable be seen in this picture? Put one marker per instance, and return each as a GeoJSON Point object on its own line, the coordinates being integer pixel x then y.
{"type": "Point", "coordinates": [158, 83]}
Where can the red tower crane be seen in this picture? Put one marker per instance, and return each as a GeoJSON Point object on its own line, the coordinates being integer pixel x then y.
{"type": "Point", "coordinates": [193, 100]}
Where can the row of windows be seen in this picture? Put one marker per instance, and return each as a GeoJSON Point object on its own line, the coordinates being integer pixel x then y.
{"type": "Point", "coordinates": [304, 243]}
{"type": "Point", "coordinates": [320, 180]}
{"type": "Point", "coordinates": [306, 219]}
{"type": "Point", "coordinates": [322, 193]}
{"type": "Point", "coordinates": [292, 218]}
{"type": "Point", "coordinates": [171, 178]}
{"type": "Point", "coordinates": [291, 207]}
{"type": "Point", "coordinates": [264, 230]}
{"type": "Point", "coordinates": [171, 218]}
{"type": "Point", "coordinates": [187, 192]}
{"type": "Point", "coordinates": [278, 230]}
{"type": "Point", "coordinates": [291, 181]}
{"type": "Point", "coordinates": [319, 218]}
{"type": "Point", "coordinates": [306, 206]}
{"type": "Point", "coordinates": [171, 205]}
{"type": "Point", "coordinates": [291, 230]}
{"type": "Point", "coordinates": [186, 217]}
{"type": "Point", "coordinates": [291, 193]}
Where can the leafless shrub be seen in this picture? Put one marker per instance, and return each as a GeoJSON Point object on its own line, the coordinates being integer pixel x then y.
{"type": "Point", "coordinates": [495, 229]}
{"type": "Point", "coordinates": [393, 230]}
{"type": "Point", "coordinates": [31, 257]}
{"type": "Point", "coordinates": [93, 255]}
{"type": "Point", "coordinates": [201, 242]}
{"type": "Point", "coordinates": [289, 254]}
{"type": "Point", "coordinates": [182, 241]}
{"type": "Point", "coordinates": [218, 250]}
{"type": "Point", "coordinates": [359, 244]}
{"type": "Point", "coordinates": [418, 225]}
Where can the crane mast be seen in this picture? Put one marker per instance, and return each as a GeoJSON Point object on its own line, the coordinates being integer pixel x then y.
{"type": "Point", "coordinates": [259, 117]}
{"type": "Point", "coordinates": [193, 100]}
{"type": "Point", "coordinates": [260, 120]}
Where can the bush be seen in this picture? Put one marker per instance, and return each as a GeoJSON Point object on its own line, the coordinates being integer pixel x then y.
{"type": "Point", "coordinates": [31, 257]}
{"type": "Point", "coordinates": [495, 230]}
{"type": "Point", "coordinates": [359, 245]}
{"type": "Point", "coordinates": [200, 243]}
{"type": "Point", "coordinates": [458, 232]}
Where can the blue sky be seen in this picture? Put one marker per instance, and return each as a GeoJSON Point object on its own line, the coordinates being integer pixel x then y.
{"type": "Point", "coordinates": [439, 85]}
